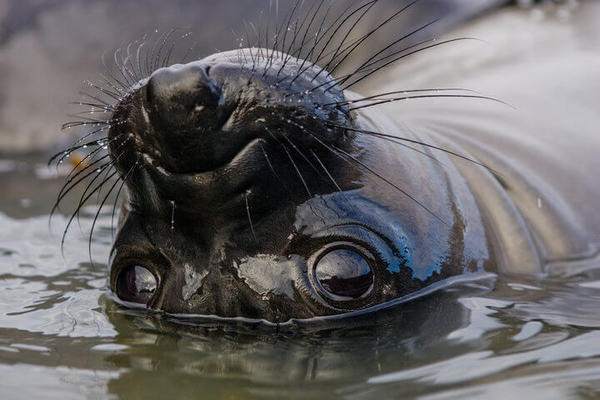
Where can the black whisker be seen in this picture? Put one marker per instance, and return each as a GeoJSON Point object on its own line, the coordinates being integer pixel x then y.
{"type": "Point", "coordinates": [98, 214]}
{"type": "Point", "coordinates": [78, 209]}
{"type": "Point", "coordinates": [369, 34]}
{"type": "Point", "coordinates": [297, 170]}
{"type": "Point", "coordinates": [326, 171]}
{"type": "Point", "coordinates": [376, 97]}
{"type": "Point", "coordinates": [431, 96]}
{"type": "Point", "coordinates": [343, 41]}
{"type": "Point", "coordinates": [400, 57]}
{"type": "Point", "coordinates": [350, 159]}
{"type": "Point", "coordinates": [413, 141]}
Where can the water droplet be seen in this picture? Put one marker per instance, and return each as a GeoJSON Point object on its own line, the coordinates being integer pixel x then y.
{"type": "Point", "coordinates": [172, 214]}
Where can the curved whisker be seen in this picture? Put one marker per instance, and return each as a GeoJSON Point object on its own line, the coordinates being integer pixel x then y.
{"type": "Point", "coordinates": [400, 57]}
{"type": "Point", "coordinates": [431, 96]}
{"type": "Point", "coordinates": [418, 142]}
{"type": "Point", "coordinates": [377, 97]}
{"type": "Point", "coordinates": [352, 160]}
{"type": "Point", "coordinates": [78, 209]}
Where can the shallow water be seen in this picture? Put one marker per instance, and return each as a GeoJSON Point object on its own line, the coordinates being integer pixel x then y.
{"type": "Point", "coordinates": [62, 336]}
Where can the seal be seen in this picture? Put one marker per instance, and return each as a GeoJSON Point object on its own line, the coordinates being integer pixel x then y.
{"type": "Point", "coordinates": [257, 185]}
{"type": "Point", "coordinates": [251, 192]}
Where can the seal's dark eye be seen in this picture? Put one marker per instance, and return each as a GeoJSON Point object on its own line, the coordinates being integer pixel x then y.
{"type": "Point", "coordinates": [136, 284]}
{"type": "Point", "coordinates": [343, 273]}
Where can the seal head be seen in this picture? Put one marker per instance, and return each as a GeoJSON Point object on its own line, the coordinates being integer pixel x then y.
{"type": "Point", "coordinates": [251, 193]}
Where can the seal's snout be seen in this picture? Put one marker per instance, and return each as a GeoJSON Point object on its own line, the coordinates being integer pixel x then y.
{"type": "Point", "coordinates": [180, 94]}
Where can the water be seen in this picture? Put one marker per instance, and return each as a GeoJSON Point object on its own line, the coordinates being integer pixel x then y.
{"type": "Point", "coordinates": [62, 336]}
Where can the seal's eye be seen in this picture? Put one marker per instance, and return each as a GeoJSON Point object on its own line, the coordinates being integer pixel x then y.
{"type": "Point", "coordinates": [136, 284]}
{"type": "Point", "coordinates": [344, 274]}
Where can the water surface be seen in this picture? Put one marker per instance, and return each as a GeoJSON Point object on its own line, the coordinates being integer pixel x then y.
{"type": "Point", "coordinates": [62, 337]}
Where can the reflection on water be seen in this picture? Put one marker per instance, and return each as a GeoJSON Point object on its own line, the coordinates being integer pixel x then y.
{"type": "Point", "coordinates": [62, 337]}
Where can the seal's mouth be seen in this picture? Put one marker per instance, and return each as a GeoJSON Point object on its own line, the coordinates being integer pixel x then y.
{"type": "Point", "coordinates": [242, 162]}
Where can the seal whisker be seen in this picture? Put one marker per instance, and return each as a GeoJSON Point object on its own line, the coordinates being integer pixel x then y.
{"type": "Point", "coordinates": [387, 139]}
{"type": "Point", "coordinates": [285, 31]}
{"type": "Point", "coordinates": [121, 64]}
{"type": "Point", "coordinates": [117, 93]}
{"type": "Point", "coordinates": [64, 190]}
{"type": "Point", "coordinates": [95, 107]}
{"type": "Point", "coordinates": [418, 142]}
{"type": "Point", "coordinates": [298, 53]}
{"type": "Point", "coordinates": [326, 171]}
{"type": "Point", "coordinates": [99, 144]}
{"type": "Point", "coordinates": [338, 23]}
{"type": "Point", "coordinates": [98, 99]}
{"type": "Point", "coordinates": [288, 54]}
{"type": "Point", "coordinates": [164, 38]}
{"type": "Point", "coordinates": [78, 209]}
{"type": "Point", "coordinates": [138, 58]}
{"type": "Point", "coordinates": [128, 60]}
{"type": "Point", "coordinates": [76, 146]}
{"type": "Point", "coordinates": [123, 181]}
{"type": "Point", "coordinates": [344, 38]}
{"type": "Point", "coordinates": [258, 40]}
{"type": "Point", "coordinates": [275, 174]}
{"type": "Point", "coordinates": [319, 35]}
{"type": "Point", "coordinates": [301, 47]}
{"type": "Point", "coordinates": [368, 72]}
{"type": "Point", "coordinates": [114, 95]}
{"type": "Point", "coordinates": [366, 36]}
{"type": "Point", "coordinates": [98, 214]}
{"type": "Point", "coordinates": [297, 170]}
{"type": "Point", "coordinates": [392, 44]}
{"type": "Point", "coordinates": [117, 82]}
{"type": "Point", "coordinates": [377, 97]}
{"type": "Point", "coordinates": [352, 160]}
{"type": "Point", "coordinates": [301, 154]}
{"type": "Point", "coordinates": [290, 156]}
{"type": "Point", "coordinates": [401, 56]}
{"type": "Point", "coordinates": [121, 68]}
{"type": "Point", "coordinates": [68, 186]}
{"type": "Point", "coordinates": [430, 96]}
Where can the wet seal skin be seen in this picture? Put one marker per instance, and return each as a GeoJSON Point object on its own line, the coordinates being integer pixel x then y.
{"type": "Point", "coordinates": [257, 185]}
{"type": "Point", "coordinates": [250, 194]}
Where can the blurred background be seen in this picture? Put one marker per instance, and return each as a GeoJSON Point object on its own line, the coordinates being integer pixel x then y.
{"type": "Point", "coordinates": [49, 47]}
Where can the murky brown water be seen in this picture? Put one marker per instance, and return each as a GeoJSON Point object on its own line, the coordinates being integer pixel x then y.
{"type": "Point", "coordinates": [63, 338]}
